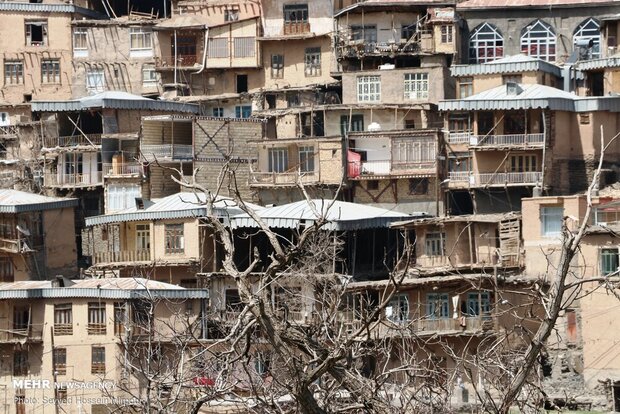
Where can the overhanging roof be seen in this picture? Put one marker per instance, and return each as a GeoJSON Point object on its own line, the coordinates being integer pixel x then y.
{"type": "Point", "coordinates": [392, 4]}
{"type": "Point", "coordinates": [467, 218]}
{"type": "Point", "coordinates": [49, 8]}
{"type": "Point", "coordinates": [13, 201]}
{"type": "Point", "coordinates": [602, 63]}
{"type": "Point", "coordinates": [508, 64]}
{"type": "Point", "coordinates": [175, 206]}
{"type": "Point", "coordinates": [340, 215]}
{"type": "Point", "coordinates": [114, 100]}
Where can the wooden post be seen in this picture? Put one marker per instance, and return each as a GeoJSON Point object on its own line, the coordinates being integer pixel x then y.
{"type": "Point", "coordinates": [54, 374]}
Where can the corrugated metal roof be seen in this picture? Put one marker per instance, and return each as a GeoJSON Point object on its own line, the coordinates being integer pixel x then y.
{"type": "Point", "coordinates": [503, 4]}
{"type": "Point", "coordinates": [392, 3]}
{"type": "Point", "coordinates": [13, 201]}
{"type": "Point", "coordinates": [114, 100]}
{"type": "Point", "coordinates": [49, 8]}
{"type": "Point", "coordinates": [602, 63]}
{"type": "Point", "coordinates": [509, 64]}
{"type": "Point", "coordinates": [180, 205]}
{"type": "Point", "coordinates": [341, 215]}
{"type": "Point", "coordinates": [121, 288]}
{"type": "Point", "coordinates": [186, 21]}
{"type": "Point", "coordinates": [471, 218]}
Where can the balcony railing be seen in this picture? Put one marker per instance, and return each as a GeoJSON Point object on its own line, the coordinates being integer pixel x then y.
{"type": "Point", "coordinates": [96, 328]}
{"type": "Point", "coordinates": [63, 329]}
{"type": "Point", "coordinates": [283, 178]}
{"type": "Point", "coordinates": [459, 137]}
{"type": "Point", "coordinates": [500, 178]}
{"type": "Point", "coordinates": [123, 256]}
{"type": "Point", "coordinates": [368, 169]}
{"type": "Point", "coordinates": [30, 334]}
{"type": "Point", "coordinates": [182, 61]}
{"type": "Point", "coordinates": [123, 168]}
{"type": "Point", "coordinates": [425, 325]}
{"type": "Point", "coordinates": [293, 28]}
{"type": "Point", "coordinates": [8, 131]}
{"type": "Point", "coordinates": [464, 323]}
{"type": "Point", "coordinates": [167, 151]}
{"type": "Point", "coordinates": [11, 245]}
{"type": "Point", "coordinates": [72, 141]}
{"type": "Point", "coordinates": [74, 180]}
{"type": "Point", "coordinates": [519, 140]}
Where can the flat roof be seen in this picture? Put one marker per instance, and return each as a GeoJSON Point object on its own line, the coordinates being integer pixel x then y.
{"type": "Point", "coordinates": [14, 201]}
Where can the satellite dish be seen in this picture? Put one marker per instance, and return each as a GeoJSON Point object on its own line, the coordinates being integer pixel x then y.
{"type": "Point", "coordinates": [25, 232]}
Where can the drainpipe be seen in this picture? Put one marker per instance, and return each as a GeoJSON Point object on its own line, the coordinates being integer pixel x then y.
{"type": "Point", "coordinates": [175, 58]}
{"type": "Point", "coordinates": [204, 50]}
{"type": "Point", "coordinates": [566, 75]}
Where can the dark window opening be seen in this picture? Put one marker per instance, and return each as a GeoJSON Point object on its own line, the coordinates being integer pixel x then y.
{"type": "Point", "coordinates": [242, 83]}
{"type": "Point", "coordinates": [372, 185]}
{"type": "Point", "coordinates": [418, 186]}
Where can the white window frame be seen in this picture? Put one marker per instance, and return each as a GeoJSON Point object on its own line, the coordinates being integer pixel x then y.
{"type": "Point", "coordinates": [435, 244]}
{"type": "Point", "coordinates": [218, 112]}
{"type": "Point", "coordinates": [306, 158]}
{"type": "Point", "coordinates": [398, 309]}
{"type": "Point", "coordinates": [122, 197]}
{"type": "Point", "coordinates": [534, 36]}
{"type": "Point", "coordinates": [312, 61]}
{"type": "Point", "coordinates": [143, 237]}
{"type": "Point", "coordinates": [548, 225]}
{"type": "Point", "coordinates": [589, 29]}
{"type": "Point", "coordinates": [140, 42]}
{"type": "Point", "coordinates": [447, 33]}
{"type": "Point", "coordinates": [416, 86]}
{"type": "Point", "coordinates": [95, 80]}
{"type": "Point", "coordinates": [369, 88]}
{"type": "Point", "coordinates": [149, 75]}
{"type": "Point", "coordinates": [50, 71]}
{"type": "Point", "coordinates": [81, 50]}
{"type": "Point", "coordinates": [488, 38]}
{"type": "Point", "coordinates": [278, 159]}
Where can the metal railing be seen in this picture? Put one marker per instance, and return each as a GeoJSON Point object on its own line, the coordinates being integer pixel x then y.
{"type": "Point", "coordinates": [73, 180]}
{"type": "Point", "coordinates": [123, 168]}
{"type": "Point", "coordinates": [459, 176]}
{"type": "Point", "coordinates": [508, 140]}
{"type": "Point", "coordinates": [459, 137]}
{"type": "Point", "coordinates": [72, 141]}
{"type": "Point", "coordinates": [387, 167]}
{"type": "Point", "coordinates": [508, 178]}
{"type": "Point", "coordinates": [123, 256]}
{"type": "Point", "coordinates": [169, 151]}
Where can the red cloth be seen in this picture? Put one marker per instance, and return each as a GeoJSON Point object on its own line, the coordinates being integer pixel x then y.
{"type": "Point", "coordinates": [354, 164]}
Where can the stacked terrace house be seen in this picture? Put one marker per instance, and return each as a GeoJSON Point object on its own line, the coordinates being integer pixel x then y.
{"type": "Point", "coordinates": [468, 128]}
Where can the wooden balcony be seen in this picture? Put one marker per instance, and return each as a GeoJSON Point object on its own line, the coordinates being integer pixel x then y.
{"type": "Point", "coordinates": [163, 152]}
{"type": "Point", "coordinates": [123, 169]}
{"type": "Point", "coordinates": [9, 132]}
{"type": "Point", "coordinates": [459, 137]}
{"type": "Point", "coordinates": [282, 179]}
{"type": "Point", "coordinates": [511, 140]}
{"type": "Point", "coordinates": [11, 245]}
{"type": "Point", "coordinates": [182, 61]}
{"type": "Point", "coordinates": [515, 179]}
{"type": "Point", "coordinates": [88, 140]}
{"type": "Point", "coordinates": [92, 179]}
{"type": "Point", "coordinates": [375, 169]}
{"type": "Point", "coordinates": [126, 256]}
{"type": "Point", "coordinates": [30, 334]}
{"type": "Point", "coordinates": [295, 28]}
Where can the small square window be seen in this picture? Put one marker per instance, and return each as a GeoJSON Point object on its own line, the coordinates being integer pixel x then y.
{"type": "Point", "coordinates": [231, 15]}
{"type": "Point", "coordinates": [372, 185]}
{"type": "Point", "coordinates": [218, 112]}
{"type": "Point", "coordinates": [418, 186]}
{"type": "Point", "coordinates": [149, 76]}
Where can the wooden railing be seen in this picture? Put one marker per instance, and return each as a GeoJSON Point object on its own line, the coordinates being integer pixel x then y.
{"type": "Point", "coordinates": [182, 61]}
{"type": "Point", "coordinates": [459, 137]}
{"type": "Point", "coordinates": [73, 180]}
{"type": "Point", "coordinates": [415, 324]}
{"type": "Point", "coordinates": [167, 151]}
{"type": "Point", "coordinates": [123, 256]}
{"type": "Point", "coordinates": [10, 245]}
{"type": "Point", "coordinates": [123, 168]}
{"type": "Point", "coordinates": [283, 178]}
{"type": "Point", "coordinates": [72, 141]}
{"type": "Point", "coordinates": [31, 334]}
{"type": "Point", "coordinates": [387, 167]}
{"type": "Point", "coordinates": [8, 131]}
{"type": "Point", "coordinates": [63, 329]}
{"type": "Point", "coordinates": [96, 328]}
{"type": "Point", "coordinates": [500, 178]}
{"type": "Point", "coordinates": [508, 140]}
{"type": "Point", "coordinates": [293, 28]}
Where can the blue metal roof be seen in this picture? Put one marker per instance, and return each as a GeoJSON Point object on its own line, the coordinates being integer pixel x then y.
{"type": "Point", "coordinates": [49, 8]}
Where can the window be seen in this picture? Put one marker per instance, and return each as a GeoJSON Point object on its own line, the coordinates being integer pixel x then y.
{"type": "Point", "coordinates": [523, 163]}
{"type": "Point", "coordinates": [233, 301]}
{"type": "Point", "coordinates": [244, 46]}
{"type": "Point", "coordinates": [140, 41]}
{"type": "Point", "coordinates": [447, 33]}
{"type": "Point", "coordinates": [36, 33]}
{"type": "Point", "coordinates": [20, 363]}
{"type": "Point", "coordinates": [459, 162]}
{"type": "Point", "coordinates": [609, 261]}
{"type": "Point", "coordinates": [80, 41]}
{"type": "Point", "coordinates": [418, 186]}
{"type": "Point", "coordinates": [59, 359]}
{"type": "Point", "coordinates": [218, 112]}
{"type": "Point", "coordinates": [21, 319]}
{"type": "Point", "coordinates": [143, 237]}
{"type": "Point", "coordinates": [174, 238]}
{"type": "Point", "coordinates": [243, 111]}
{"type": "Point", "coordinates": [372, 185]}
{"type": "Point", "coordinates": [95, 80]}
{"type": "Point", "coordinates": [511, 79]}
{"type": "Point", "coordinates": [416, 86]}
{"type": "Point", "coordinates": [368, 88]}
{"type": "Point", "coordinates": [466, 87]}
{"type": "Point", "coordinates": [241, 83]}
{"type": "Point", "coordinates": [437, 306]}
{"type": "Point", "coordinates": [120, 318]}
{"type": "Point", "coordinates": [149, 75]}
{"type": "Point", "coordinates": [13, 72]}
{"type": "Point", "coordinates": [50, 71]}
{"type": "Point", "coordinates": [293, 99]}
{"type": "Point", "coordinates": [485, 44]}
{"type": "Point", "coordinates": [435, 244]}
{"type": "Point", "coordinates": [185, 49]}
{"type": "Point", "coordinates": [356, 123]}
{"type": "Point", "coordinates": [6, 269]}
{"type": "Point", "coordinates": [551, 218]}
{"type": "Point", "coordinates": [478, 304]}
{"type": "Point", "coordinates": [398, 309]}
{"type": "Point", "coordinates": [407, 31]}
{"type": "Point", "coordinates": [63, 319]}
{"type": "Point", "coordinates": [122, 196]}
{"type": "Point", "coordinates": [295, 13]}
{"type": "Point", "coordinates": [313, 61]}
{"type": "Point", "coordinates": [538, 40]}
{"type": "Point", "coordinates": [97, 360]}
{"type": "Point", "coordinates": [262, 364]}
{"type": "Point", "coordinates": [588, 30]}
{"type": "Point", "coordinates": [218, 48]}
{"type": "Point", "coordinates": [584, 119]}
{"type": "Point", "coordinates": [278, 159]}
{"type": "Point", "coordinates": [408, 151]}
{"type": "Point", "coordinates": [367, 33]}
{"type": "Point", "coordinates": [96, 318]}
{"type": "Point", "coordinates": [277, 66]}
{"type": "Point", "coordinates": [231, 15]}
{"type": "Point", "coordinates": [306, 159]}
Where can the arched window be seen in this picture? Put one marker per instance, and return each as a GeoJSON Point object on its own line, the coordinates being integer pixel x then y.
{"type": "Point", "coordinates": [538, 40]}
{"type": "Point", "coordinates": [485, 44]}
{"type": "Point", "coordinates": [589, 29]}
